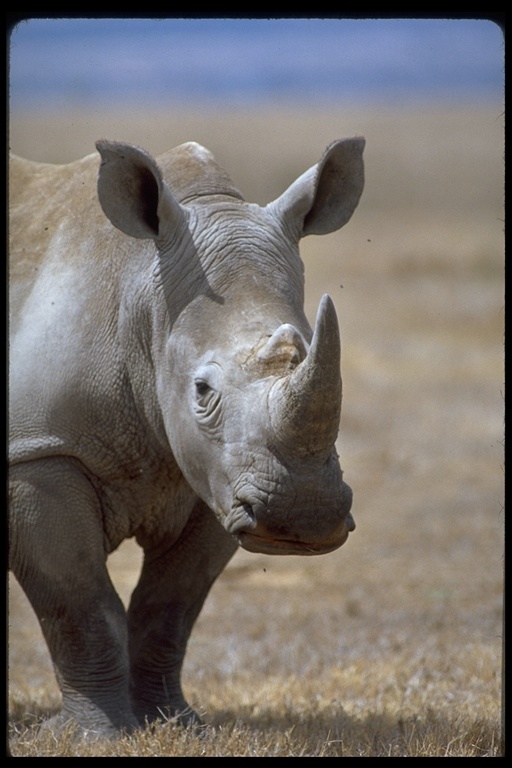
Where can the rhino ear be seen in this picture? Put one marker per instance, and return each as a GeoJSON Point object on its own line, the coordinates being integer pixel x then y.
{"type": "Point", "coordinates": [324, 198]}
{"type": "Point", "coordinates": [133, 194]}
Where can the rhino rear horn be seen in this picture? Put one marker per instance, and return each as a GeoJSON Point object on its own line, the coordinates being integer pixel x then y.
{"type": "Point", "coordinates": [305, 406]}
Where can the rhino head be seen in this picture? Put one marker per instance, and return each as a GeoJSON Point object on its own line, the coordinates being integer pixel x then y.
{"type": "Point", "coordinates": [249, 395]}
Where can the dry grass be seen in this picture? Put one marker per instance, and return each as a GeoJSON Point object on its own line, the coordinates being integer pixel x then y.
{"type": "Point", "coordinates": [392, 645]}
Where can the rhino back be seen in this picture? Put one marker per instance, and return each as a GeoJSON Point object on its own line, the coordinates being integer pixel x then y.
{"type": "Point", "coordinates": [47, 204]}
{"type": "Point", "coordinates": [67, 267]}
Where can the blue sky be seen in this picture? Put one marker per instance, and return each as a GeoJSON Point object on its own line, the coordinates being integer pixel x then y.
{"type": "Point", "coordinates": [115, 61]}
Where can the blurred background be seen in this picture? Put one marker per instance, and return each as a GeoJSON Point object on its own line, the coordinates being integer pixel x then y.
{"type": "Point", "coordinates": [417, 280]}
{"type": "Point", "coordinates": [215, 67]}
{"type": "Point", "coordinates": [93, 63]}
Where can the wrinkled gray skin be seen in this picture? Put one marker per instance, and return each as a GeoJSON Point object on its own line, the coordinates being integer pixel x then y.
{"type": "Point", "coordinates": [161, 387]}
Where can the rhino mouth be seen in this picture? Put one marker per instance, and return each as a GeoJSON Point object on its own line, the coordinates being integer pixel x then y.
{"type": "Point", "coordinates": [270, 546]}
{"type": "Point", "coordinates": [253, 537]}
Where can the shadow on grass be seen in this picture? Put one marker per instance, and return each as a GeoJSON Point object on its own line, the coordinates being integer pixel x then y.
{"type": "Point", "coordinates": [21, 716]}
{"type": "Point", "coordinates": [373, 734]}
{"type": "Point", "coordinates": [322, 734]}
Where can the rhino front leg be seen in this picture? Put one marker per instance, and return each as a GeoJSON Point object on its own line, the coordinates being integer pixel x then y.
{"type": "Point", "coordinates": [165, 604]}
{"type": "Point", "coordinates": [57, 554]}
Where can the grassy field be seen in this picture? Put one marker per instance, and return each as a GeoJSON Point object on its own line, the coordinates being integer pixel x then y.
{"type": "Point", "coordinates": [390, 646]}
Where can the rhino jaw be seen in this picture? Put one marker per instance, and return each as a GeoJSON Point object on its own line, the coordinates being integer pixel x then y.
{"type": "Point", "coordinates": [252, 542]}
{"type": "Point", "coordinates": [245, 523]}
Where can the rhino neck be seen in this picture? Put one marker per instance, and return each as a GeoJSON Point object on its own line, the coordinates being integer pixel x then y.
{"type": "Point", "coordinates": [192, 172]}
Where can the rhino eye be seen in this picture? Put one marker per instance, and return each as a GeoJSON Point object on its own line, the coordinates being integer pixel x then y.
{"type": "Point", "coordinates": [207, 391]}
{"type": "Point", "coordinates": [207, 406]}
{"type": "Point", "coordinates": [202, 388]}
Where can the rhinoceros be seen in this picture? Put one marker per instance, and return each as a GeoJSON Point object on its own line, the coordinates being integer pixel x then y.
{"type": "Point", "coordinates": [166, 385]}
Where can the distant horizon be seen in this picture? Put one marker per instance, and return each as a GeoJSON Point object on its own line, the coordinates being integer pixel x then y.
{"type": "Point", "coordinates": [82, 62]}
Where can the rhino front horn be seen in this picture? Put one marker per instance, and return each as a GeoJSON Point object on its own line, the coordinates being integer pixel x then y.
{"type": "Point", "coordinates": [305, 406]}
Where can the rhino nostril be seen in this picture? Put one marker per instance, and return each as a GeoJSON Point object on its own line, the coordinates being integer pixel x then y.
{"type": "Point", "coordinates": [241, 517]}
{"type": "Point", "coordinates": [249, 511]}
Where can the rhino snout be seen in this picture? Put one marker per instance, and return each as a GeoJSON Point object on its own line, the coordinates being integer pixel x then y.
{"type": "Point", "coordinates": [299, 531]}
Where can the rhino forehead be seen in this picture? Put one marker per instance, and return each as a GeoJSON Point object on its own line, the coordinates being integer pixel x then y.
{"type": "Point", "coordinates": [241, 229]}
{"type": "Point", "coordinates": [234, 267]}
